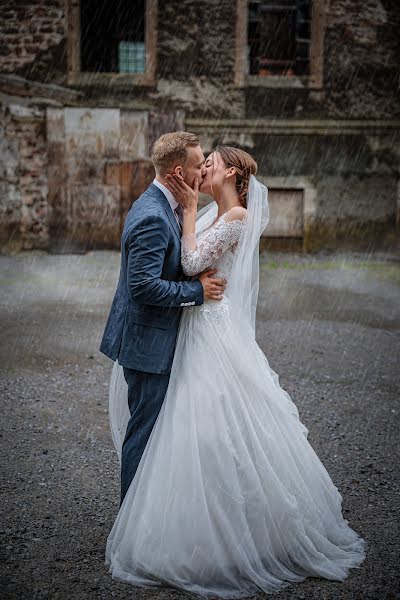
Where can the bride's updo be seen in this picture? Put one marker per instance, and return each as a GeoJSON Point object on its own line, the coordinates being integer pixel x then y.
{"type": "Point", "coordinates": [244, 164]}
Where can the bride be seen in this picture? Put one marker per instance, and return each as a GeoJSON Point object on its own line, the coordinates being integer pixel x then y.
{"type": "Point", "coordinates": [229, 498]}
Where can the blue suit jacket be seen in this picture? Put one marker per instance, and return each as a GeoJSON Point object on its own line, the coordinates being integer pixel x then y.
{"type": "Point", "coordinates": [143, 322]}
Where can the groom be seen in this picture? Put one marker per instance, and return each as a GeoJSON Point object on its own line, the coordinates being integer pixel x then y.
{"type": "Point", "coordinates": [142, 326]}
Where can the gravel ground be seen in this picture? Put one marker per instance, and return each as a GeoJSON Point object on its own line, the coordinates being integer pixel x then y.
{"type": "Point", "coordinates": [329, 325]}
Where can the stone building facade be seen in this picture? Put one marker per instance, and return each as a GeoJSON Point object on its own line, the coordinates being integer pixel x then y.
{"type": "Point", "coordinates": [310, 89]}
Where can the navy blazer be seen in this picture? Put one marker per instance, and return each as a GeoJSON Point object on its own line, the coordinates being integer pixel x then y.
{"type": "Point", "coordinates": [142, 326]}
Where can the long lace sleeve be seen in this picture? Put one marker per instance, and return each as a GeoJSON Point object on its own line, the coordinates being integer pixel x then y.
{"type": "Point", "coordinates": [199, 252]}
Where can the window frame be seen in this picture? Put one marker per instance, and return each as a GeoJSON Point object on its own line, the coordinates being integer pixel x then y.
{"type": "Point", "coordinates": [313, 80]}
{"type": "Point", "coordinates": [87, 78]}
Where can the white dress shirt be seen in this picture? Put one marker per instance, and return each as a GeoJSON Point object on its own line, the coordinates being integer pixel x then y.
{"type": "Point", "coordinates": [169, 196]}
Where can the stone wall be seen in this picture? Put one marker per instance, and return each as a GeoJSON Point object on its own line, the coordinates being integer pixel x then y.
{"type": "Point", "coordinates": [10, 193]}
{"type": "Point", "coordinates": [362, 53]}
{"type": "Point", "coordinates": [351, 167]}
{"type": "Point", "coordinates": [23, 177]}
{"type": "Point", "coordinates": [32, 46]}
{"type": "Point", "coordinates": [361, 58]}
{"type": "Point", "coordinates": [196, 60]}
{"type": "Point", "coordinates": [33, 39]}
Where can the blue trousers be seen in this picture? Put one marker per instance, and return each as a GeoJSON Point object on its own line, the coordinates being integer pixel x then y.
{"type": "Point", "coordinates": [146, 393]}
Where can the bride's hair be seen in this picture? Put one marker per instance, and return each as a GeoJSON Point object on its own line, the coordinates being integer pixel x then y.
{"type": "Point", "coordinates": [245, 166]}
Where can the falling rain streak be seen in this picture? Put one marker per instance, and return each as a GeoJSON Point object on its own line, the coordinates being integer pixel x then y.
{"type": "Point", "coordinates": [310, 89]}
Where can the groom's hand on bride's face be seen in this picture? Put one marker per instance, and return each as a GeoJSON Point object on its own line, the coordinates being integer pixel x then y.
{"type": "Point", "coordinates": [213, 287]}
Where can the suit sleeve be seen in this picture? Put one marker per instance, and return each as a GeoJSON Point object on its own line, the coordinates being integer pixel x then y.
{"type": "Point", "coordinates": [147, 246]}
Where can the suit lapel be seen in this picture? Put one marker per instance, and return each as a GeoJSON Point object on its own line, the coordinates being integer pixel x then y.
{"type": "Point", "coordinates": [167, 207]}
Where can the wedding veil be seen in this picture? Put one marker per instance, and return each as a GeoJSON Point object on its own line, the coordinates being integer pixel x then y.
{"type": "Point", "coordinates": [242, 291]}
{"type": "Point", "coordinates": [243, 284]}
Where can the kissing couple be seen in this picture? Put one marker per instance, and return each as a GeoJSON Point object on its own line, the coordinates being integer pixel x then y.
{"type": "Point", "coordinates": [222, 495]}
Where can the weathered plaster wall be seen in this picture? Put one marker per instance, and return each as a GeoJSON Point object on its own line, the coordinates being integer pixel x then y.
{"type": "Point", "coordinates": [98, 165]}
{"type": "Point", "coordinates": [354, 177]}
{"type": "Point", "coordinates": [89, 152]}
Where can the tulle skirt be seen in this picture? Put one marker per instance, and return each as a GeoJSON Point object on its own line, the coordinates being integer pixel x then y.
{"type": "Point", "coordinates": [229, 498]}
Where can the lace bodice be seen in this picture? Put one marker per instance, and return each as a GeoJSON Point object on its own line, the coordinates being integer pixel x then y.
{"type": "Point", "coordinates": [212, 248]}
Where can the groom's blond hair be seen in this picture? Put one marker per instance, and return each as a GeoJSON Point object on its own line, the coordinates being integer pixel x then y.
{"type": "Point", "coordinates": [170, 150]}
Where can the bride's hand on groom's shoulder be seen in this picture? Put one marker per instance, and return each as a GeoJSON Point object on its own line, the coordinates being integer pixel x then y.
{"type": "Point", "coordinates": [186, 196]}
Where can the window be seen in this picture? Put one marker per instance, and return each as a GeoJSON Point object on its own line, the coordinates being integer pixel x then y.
{"type": "Point", "coordinates": [111, 35]}
{"type": "Point", "coordinates": [131, 57]}
{"type": "Point", "coordinates": [279, 37]}
{"type": "Point", "coordinates": [112, 41]}
{"type": "Point", "coordinates": [280, 43]}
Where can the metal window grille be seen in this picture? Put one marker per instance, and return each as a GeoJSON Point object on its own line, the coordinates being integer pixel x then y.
{"type": "Point", "coordinates": [131, 57]}
{"type": "Point", "coordinates": [279, 37]}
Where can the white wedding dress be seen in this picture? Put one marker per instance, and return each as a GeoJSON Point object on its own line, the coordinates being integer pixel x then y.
{"type": "Point", "coordinates": [229, 498]}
